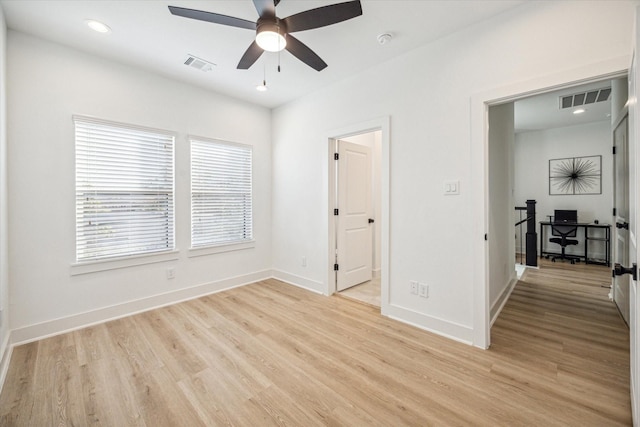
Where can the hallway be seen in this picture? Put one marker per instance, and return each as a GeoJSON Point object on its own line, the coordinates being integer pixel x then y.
{"type": "Point", "coordinates": [560, 326]}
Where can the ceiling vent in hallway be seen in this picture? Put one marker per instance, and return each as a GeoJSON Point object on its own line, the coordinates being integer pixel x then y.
{"type": "Point", "coordinates": [585, 98]}
{"type": "Point", "coordinates": [198, 63]}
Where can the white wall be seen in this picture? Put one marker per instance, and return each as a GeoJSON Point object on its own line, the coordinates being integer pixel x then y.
{"type": "Point", "coordinates": [501, 204]}
{"type": "Point", "coordinates": [373, 140]}
{"type": "Point", "coordinates": [49, 83]}
{"type": "Point", "coordinates": [533, 150]}
{"type": "Point", "coordinates": [428, 93]}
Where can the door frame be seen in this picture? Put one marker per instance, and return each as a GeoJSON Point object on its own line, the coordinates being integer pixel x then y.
{"type": "Point", "coordinates": [381, 124]}
{"type": "Point", "coordinates": [480, 103]}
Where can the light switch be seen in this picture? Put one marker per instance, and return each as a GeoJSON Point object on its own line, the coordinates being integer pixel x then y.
{"type": "Point", "coordinates": [451, 188]}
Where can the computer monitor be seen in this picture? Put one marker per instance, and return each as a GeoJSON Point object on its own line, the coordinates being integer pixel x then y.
{"type": "Point", "coordinates": [561, 215]}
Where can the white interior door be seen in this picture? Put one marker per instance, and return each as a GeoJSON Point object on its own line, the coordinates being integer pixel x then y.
{"type": "Point", "coordinates": [621, 205]}
{"type": "Point", "coordinates": [354, 232]}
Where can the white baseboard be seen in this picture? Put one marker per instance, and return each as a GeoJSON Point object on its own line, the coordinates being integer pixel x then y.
{"type": "Point", "coordinates": [502, 299]}
{"type": "Point", "coordinates": [301, 282]}
{"type": "Point", "coordinates": [78, 321]}
{"type": "Point", "coordinates": [5, 351]}
{"type": "Point", "coordinates": [445, 328]}
{"type": "Point", "coordinates": [441, 327]}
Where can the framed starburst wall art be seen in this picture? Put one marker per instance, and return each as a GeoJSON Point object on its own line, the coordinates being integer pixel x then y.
{"type": "Point", "coordinates": [575, 175]}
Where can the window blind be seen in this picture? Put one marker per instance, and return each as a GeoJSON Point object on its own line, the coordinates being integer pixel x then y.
{"type": "Point", "coordinates": [124, 190]}
{"type": "Point", "coordinates": [221, 193]}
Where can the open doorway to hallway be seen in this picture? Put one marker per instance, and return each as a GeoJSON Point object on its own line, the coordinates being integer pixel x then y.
{"type": "Point", "coordinates": [567, 302]}
{"type": "Point", "coordinates": [555, 148]}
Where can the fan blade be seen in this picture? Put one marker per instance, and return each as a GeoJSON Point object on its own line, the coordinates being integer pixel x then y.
{"type": "Point", "coordinates": [265, 7]}
{"type": "Point", "coordinates": [216, 18]}
{"type": "Point", "coordinates": [250, 56]}
{"type": "Point", "coordinates": [304, 54]}
{"type": "Point", "coordinates": [323, 16]}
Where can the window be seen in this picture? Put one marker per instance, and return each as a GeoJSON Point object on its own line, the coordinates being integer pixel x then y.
{"type": "Point", "coordinates": [221, 210]}
{"type": "Point", "coordinates": [124, 190]}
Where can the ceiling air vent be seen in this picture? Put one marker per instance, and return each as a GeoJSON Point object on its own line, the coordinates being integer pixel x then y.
{"type": "Point", "coordinates": [199, 63]}
{"type": "Point", "coordinates": [585, 98]}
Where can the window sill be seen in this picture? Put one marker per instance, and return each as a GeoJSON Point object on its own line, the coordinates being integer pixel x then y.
{"type": "Point", "coordinates": [210, 250]}
{"type": "Point", "coordinates": [87, 267]}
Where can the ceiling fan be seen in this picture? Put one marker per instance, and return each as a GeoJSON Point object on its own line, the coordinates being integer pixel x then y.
{"type": "Point", "coordinates": [274, 34]}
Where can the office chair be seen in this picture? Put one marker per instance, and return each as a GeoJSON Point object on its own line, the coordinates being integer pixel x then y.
{"type": "Point", "coordinates": [564, 231]}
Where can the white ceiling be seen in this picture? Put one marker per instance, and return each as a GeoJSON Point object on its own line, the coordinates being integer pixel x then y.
{"type": "Point", "coordinates": [146, 35]}
{"type": "Point", "coordinates": [543, 111]}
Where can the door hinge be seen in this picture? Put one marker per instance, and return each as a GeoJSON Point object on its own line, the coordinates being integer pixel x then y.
{"type": "Point", "coordinates": [486, 237]}
{"type": "Point", "coordinates": [335, 211]}
{"type": "Point", "coordinates": [615, 212]}
{"type": "Point", "coordinates": [336, 156]}
{"type": "Point", "coordinates": [614, 149]}
{"type": "Point", "coordinates": [335, 267]}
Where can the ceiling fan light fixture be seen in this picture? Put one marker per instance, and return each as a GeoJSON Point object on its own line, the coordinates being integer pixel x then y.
{"type": "Point", "coordinates": [273, 34]}
{"type": "Point", "coordinates": [270, 38]}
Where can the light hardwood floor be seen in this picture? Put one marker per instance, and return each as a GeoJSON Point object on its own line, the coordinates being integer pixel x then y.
{"type": "Point", "coordinates": [367, 292]}
{"type": "Point", "coordinates": [273, 354]}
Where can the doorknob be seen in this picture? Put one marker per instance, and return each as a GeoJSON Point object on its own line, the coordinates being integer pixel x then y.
{"type": "Point", "coordinates": [624, 225]}
{"type": "Point", "coordinates": [371, 220]}
{"type": "Point", "coordinates": [619, 270]}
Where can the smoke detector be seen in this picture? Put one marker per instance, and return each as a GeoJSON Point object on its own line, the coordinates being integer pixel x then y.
{"type": "Point", "coordinates": [198, 63]}
{"type": "Point", "coordinates": [384, 38]}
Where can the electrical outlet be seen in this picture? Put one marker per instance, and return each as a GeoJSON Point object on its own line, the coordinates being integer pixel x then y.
{"type": "Point", "coordinates": [304, 261]}
{"type": "Point", "coordinates": [414, 287]}
{"type": "Point", "coordinates": [171, 273]}
{"type": "Point", "coordinates": [423, 290]}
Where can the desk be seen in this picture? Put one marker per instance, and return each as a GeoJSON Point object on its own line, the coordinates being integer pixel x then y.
{"type": "Point", "coordinates": [587, 227]}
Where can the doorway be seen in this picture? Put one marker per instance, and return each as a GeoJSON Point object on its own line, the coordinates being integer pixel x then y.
{"type": "Point", "coordinates": [356, 209]}
{"type": "Point", "coordinates": [480, 172]}
{"type": "Point", "coordinates": [550, 132]}
{"type": "Point", "coordinates": [378, 131]}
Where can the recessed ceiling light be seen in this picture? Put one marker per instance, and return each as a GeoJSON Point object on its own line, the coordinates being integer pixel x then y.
{"type": "Point", "coordinates": [579, 111]}
{"type": "Point", "coordinates": [262, 87]}
{"type": "Point", "coordinates": [98, 26]}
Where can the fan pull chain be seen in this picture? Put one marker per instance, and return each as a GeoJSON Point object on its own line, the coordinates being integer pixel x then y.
{"type": "Point", "coordinates": [279, 50]}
